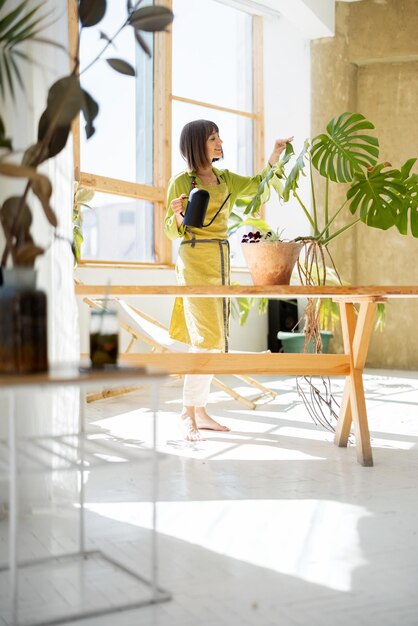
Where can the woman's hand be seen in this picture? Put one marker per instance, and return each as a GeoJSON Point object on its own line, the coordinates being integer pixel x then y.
{"type": "Point", "coordinates": [279, 147]}
{"type": "Point", "coordinates": [177, 207]}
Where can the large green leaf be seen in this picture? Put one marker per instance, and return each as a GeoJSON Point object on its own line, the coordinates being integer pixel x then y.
{"type": "Point", "coordinates": [292, 180]}
{"type": "Point", "coordinates": [377, 196]}
{"type": "Point", "coordinates": [409, 208]}
{"type": "Point", "coordinates": [271, 180]}
{"type": "Point", "coordinates": [262, 195]}
{"type": "Point", "coordinates": [345, 150]}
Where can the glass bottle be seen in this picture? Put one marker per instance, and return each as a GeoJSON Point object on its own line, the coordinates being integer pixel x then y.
{"type": "Point", "coordinates": [104, 338]}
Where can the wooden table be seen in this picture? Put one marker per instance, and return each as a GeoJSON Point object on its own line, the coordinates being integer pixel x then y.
{"type": "Point", "coordinates": [356, 331]}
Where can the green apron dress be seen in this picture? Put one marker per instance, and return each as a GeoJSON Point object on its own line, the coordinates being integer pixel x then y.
{"type": "Point", "coordinates": [203, 258]}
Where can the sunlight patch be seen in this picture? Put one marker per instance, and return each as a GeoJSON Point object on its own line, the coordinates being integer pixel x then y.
{"type": "Point", "coordinates": [315, 541]}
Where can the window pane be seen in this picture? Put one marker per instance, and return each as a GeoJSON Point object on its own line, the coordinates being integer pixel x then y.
{"type": "Point", "coordinates": [118, 229]}
{"type": "Point", "coordinates": [212, 53]}
{"type": "Point", "coordinates": [234, 130]}
{"type": "Point", "coordinates": [122, 144]}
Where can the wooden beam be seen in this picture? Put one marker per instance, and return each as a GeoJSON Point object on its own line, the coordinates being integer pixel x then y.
{"type": "Point", "coordinates": [121, 187]}
{"type": "Point", "coordinates": [258, 95]}
{"type": "Point", "coordinates": [243, 363]}
{"type": "Point", "coordinates": [162, 135]}
{"type": "Point", "coordinates": [216, 107]}
{"type": "Point", "coordinates": [234, 291]}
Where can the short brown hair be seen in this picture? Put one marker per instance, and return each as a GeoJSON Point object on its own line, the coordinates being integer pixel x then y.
{"type": "Point", "coordinates": [193, 140]}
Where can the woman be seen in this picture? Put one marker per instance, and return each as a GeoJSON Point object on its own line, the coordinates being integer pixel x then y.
{"type": "Point", "coordinates": [203, 257]}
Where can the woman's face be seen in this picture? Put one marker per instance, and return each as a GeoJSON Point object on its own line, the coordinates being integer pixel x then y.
{"type": "Point", "coordinates": [214, 146]}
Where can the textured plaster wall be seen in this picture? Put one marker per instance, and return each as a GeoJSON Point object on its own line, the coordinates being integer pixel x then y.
{"type": "Point", "coordinates": [371, 66]}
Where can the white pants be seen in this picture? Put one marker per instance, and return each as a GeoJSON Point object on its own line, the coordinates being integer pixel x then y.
{"type": "Point", "coordinates": [196, 387]}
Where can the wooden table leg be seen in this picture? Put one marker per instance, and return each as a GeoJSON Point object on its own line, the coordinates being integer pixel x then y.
{"type": "Point", "coordinates": [356, 336]}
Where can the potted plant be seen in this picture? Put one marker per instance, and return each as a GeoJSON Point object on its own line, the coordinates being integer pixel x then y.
{"type": "Point", "coordinates": [377, 194]}
{"type": "Point", "coordinates": [23, 308]}
{"type": "Point", "coordinates": [272, 260]}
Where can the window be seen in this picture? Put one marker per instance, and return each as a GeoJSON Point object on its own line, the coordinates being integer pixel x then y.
{"type": "Point", "coordinates": [209, 67]}
{"type": "Point", "coordinates": [125, 161]}
{"type": "Point", "coordinates": [215, 74]}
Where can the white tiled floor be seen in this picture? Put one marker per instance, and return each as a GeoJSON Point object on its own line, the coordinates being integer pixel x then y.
{"type": "Point", "coordinates": [270, 524]}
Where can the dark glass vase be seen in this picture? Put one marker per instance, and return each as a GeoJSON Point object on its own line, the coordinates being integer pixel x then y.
{"type": "Point", "coordinates": [23, 323]}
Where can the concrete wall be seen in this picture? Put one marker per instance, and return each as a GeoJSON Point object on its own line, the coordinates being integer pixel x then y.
{"type": "Point", "coordinates": [371, 66]}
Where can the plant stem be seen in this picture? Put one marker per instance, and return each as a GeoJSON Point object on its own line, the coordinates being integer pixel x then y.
{"type": "Point", "coordinates": [105, 47]}
{"type": "Point", "coordinates": [339, 232]}
{"type": "Point", "coordinates": [305, 210]}
{"type": "Point", "coordinates": [325, 231]}
{"type": "Point", "coordinates": [326, 211]}
{"type": "Point", "coordinates": [315, 216]}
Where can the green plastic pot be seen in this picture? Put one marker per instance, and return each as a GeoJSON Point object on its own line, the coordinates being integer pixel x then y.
{"type": "Point", "coordinates": [294, 342]}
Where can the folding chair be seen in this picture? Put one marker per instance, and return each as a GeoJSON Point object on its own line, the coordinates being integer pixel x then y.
{"type": "Point", "coordinates": [143, 327]}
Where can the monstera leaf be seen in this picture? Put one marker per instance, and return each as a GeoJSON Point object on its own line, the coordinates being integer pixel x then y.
{"type": "Point", "coordinates": [262, 196]}
{"type": "Point", "coordinates": [295, 172]}
{"type": "Point", "coordinates": [410, 201]}
{"type": "Point", "coordinates": [378, 196]}
{"type": "Point", "coordinates": [345, 151]}
{"type": "Point", "coordinates": [271, 180]}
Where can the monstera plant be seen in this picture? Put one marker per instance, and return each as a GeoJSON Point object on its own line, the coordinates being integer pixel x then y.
{"type": "Point", "coordinates": [378, 194]}
{"type": "Point", "coordinates": [65, 100]}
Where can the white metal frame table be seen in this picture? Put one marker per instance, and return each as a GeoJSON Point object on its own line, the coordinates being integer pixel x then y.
{"type": "Point", "coordinates": [83, 379]}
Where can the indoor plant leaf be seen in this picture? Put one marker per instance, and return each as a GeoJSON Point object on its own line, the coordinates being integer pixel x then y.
{"type": "Point", "coordinates": [40, 183]}
{"type": "Point", "coordinates": [5, 142]}
{"type": "Point", "coordinates": [27, 253]}
{"type": "Point", "coordinates": [142, 43]}
{"type": "Point", "coordinates": [90, 112]}
{"type": "Point", "coordinates": [91, 12]}
{"type": "Point", "coordinates": [7, 21]}
{"type": "Point", "coordinates": [56, 143]}
{"type": "Point", "coordinates": [410, 200]}
{"type": "Point", "coordinates": [292, 180]}
{"type": "Point", "coordinates": [236, 221]}
{"type": "Point", "coordinates": [342, 152]}
{"type": "Point", "coordinates": [65, 99]}
{"type": "Point", "coordinates": [16, 219]}
{"type": "Point", "coordinates": [262, 195]}
{"type": "Point", "coordinates": [377, 196]}
{"type": "Point", "coordinates": [154, 18]}
{"type": "Point", "coordinates": [121, 66]}
{"type": "Point", "coordinates": [16, 27]}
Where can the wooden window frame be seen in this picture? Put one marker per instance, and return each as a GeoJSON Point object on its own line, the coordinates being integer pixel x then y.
{"type": "Point", "coordinates": [163, 98]}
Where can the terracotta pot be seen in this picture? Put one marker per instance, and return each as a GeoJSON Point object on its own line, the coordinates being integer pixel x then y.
{"type": "Point", "coordinates": [271, 263]}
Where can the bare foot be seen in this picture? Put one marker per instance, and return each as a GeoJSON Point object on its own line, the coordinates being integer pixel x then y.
{"type": "Point", "coordinates": [189, 429]}
{"type": "Point", "coordinates": [205, 422]}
